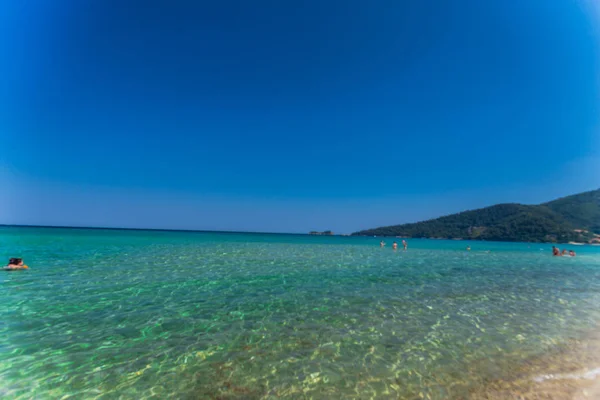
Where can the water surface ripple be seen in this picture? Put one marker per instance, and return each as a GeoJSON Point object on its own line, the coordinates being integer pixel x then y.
{"type": "Point", "coordinates": [109, 314]}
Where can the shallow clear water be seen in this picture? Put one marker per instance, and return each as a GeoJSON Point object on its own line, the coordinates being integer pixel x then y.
{"type": "Point", "coordinates": [142, 314]}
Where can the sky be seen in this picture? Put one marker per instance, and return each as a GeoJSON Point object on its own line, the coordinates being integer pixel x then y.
{"type": "Point", "coordinates": [292, 116]}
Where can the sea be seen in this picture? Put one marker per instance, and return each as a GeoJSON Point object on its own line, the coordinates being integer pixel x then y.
{"type": "Point", "coordinates": [133, 314]}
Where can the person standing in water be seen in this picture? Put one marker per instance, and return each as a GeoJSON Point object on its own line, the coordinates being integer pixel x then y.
{"type": "Point", "coordinates": [395, 246]}
{"type": "Point", "coordinates": [382, 244]}
{"type": "Point", "coordinates": [555, 251]}
{"type": "Point", "coordinates": [404, 244]}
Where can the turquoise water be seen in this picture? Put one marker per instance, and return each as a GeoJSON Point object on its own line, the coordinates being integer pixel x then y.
{"type": "Point", "coordinates": [140, 314]}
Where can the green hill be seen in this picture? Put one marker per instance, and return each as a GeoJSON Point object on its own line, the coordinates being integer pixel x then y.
{"type": "Point", "coordinates": [572, 218]}
{"type": "Point", "coordinates": [581, 210]}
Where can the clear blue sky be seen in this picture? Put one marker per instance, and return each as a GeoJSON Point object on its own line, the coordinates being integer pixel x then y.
{"type": "Point", "coordinates": [292, 116]}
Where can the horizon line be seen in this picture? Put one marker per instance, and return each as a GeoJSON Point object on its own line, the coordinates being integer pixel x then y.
{"type": "Point", "coordinates": [150, 229]}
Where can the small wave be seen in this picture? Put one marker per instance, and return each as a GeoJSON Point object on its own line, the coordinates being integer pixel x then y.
{"type": "Point", "coordinates": [591, 374]}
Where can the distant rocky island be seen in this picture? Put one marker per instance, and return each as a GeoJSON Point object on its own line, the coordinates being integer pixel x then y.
{"type": "Point", "coordinates": [324, 233]}
{"type": "Point", "coordinates": [573, 219]}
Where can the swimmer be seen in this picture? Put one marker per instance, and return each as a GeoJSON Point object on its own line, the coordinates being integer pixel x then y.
{"type": "Point", "coordinates": [571, 253]}
{"type": "Point", "coordinates": [395, 246]}
{"type": "Point", "coordinates": [555, 251]}
{"type": "Point", "coordinates": [382, 244]}
{"type": "Point", "coordinates": [564, 252]}
{"type": "Point", "coordinates": [15, 263]}
{"type": "Point", "coordinates": [405, 245]}
{"type": "Point", "coordinates": [468, 248]}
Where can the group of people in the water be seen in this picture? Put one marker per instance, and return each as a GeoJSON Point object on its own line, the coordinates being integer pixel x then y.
{"type": "Point", "coordinates": [405, 245]}
{"type": "Point", "coordinates": [556, 252]}
{"type": "Point", "coordinates": [15, 263]}
{"type": "Point", "coordinates": [394, 245]}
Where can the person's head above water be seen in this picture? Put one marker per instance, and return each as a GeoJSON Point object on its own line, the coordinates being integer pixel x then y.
{"type": "Point", "coordinates": [15, 263]}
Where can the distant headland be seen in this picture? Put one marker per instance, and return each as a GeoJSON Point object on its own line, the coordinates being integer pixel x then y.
{"type": "Point", "coordinates": [324, 233]}
{"type": "Point", "coordinates": [573, 219]}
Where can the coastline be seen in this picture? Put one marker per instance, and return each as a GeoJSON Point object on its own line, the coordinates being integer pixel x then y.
{"type": "Point", "coordinates": [468, 239]}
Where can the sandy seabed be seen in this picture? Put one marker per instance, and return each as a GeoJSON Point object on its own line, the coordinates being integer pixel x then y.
{"type": "Point", "coordinates": [569, 373]}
